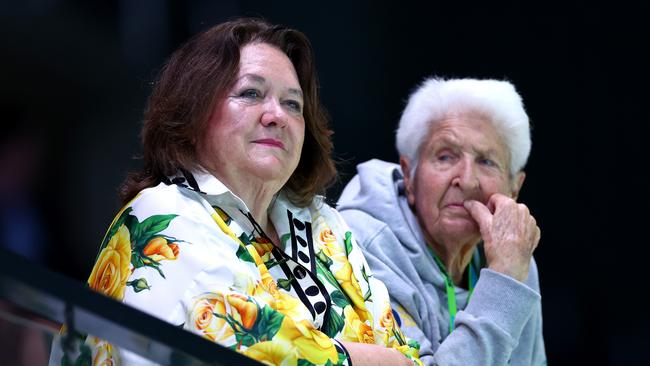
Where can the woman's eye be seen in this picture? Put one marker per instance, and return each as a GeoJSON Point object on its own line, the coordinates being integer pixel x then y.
{"type": "Point", "coordinates": [444, 157]}
{"type": "Point", "coordinates": [294, 105]}
{"type": "Point", "coordinates": [250, 93]}
{"type": "Point", "coordinates": [487, 162]}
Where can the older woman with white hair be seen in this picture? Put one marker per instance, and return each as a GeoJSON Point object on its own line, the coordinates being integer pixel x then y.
{"type": "Point", "coordinates": [443, 228]}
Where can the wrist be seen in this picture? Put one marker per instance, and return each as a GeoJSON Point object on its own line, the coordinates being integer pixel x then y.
{"type": "Point", "coordinates": [519, 273]}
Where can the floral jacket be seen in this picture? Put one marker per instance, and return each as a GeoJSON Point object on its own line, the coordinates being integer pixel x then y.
{"type": "Point", "coordinates": [189, 252]}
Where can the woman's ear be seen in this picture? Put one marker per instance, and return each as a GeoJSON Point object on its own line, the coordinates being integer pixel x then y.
{"type": "Point", "coordinates": [517, 182]}
{"type": "Point", "coordinates": [406, 171]}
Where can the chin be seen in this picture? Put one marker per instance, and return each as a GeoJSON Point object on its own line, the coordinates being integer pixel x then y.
{"type": "Point", "coordinates": [462, 230]}
{"type": "Point", "coordinates": [270, 169]}
{"type": "Point", "coordinates": [464, 223]}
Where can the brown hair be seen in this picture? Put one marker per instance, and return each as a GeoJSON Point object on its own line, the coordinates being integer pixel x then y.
{"type": "Point", "coordinates": [196, 76]}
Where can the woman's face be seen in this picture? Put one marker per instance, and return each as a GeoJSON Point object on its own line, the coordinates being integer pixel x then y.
{"type": "Point", "coordinates": [256, 132]}
{"type": "Point", "coordinates": [464, 158]}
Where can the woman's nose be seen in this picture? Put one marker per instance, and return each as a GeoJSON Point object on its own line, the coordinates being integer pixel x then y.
{"type": "Point", "coordinates": [466, 177]}
{"type": "Point", "coordinates": [273, 114]}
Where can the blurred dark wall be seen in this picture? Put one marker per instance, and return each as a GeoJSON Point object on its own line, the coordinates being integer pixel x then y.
{"type": "Point", "coordinates": [74, 77]}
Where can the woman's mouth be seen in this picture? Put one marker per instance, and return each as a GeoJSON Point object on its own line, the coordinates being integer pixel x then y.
{"type": "Point", "coordinates": [270, 142]}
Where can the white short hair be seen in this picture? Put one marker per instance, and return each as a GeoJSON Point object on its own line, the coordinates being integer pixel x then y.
{"type": "Point", "coordinates": [435, 99]}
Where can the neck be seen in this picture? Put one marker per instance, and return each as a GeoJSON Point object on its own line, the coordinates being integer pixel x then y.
{"type": "Point", "coordinates": [258, 202]}
{"type": "Point", "coordinates": [456, 258]}
{"type": "Point", "coordinates": [257, 194]}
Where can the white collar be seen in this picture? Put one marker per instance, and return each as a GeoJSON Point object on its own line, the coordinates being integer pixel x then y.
{"type": "Point", "coordinates": [218, 194]}
{"type": "Point", "coordinates": [209, 187]}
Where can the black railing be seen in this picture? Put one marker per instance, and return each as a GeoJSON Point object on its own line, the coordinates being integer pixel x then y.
{"type": "Point", "coordinates": [32, 288]}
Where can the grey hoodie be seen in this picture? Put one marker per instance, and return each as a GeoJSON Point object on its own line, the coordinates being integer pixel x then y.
{"type": "Point", "coordinates": [502, 324]}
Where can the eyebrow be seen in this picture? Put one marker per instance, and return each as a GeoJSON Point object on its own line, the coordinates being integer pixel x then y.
{"type": "Point", "coordinates": [449, 140]}
{"type": "Point", "coordinates": [254, 77]}
{"type": "Point", "coordinates": [261, 80]}
{"type": "Point", "coordinates": [296, 92]}
{"type": "Point", "coordinates": [453, 142]}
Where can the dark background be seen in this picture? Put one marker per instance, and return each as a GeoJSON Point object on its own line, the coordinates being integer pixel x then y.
{"type": "Point", "coordinates": [74, 77]}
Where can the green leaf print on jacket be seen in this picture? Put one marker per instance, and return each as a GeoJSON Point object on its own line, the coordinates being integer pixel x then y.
{"type": "Point", "coordinates": [127, 243]}
{"type": "Point", "coordinates": [260, 331]}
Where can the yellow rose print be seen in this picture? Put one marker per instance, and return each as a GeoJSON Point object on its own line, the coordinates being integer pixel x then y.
{"type": "Point", "coordinates": [92, 341]}
{"type": "Point", "coordinates": [274, 353]}
{"type": "Point", "coordinates": [203, 321]}
{"type": "Point", "coordinates": [411, 352]}
{"type": "Point", "coordinates": [245, 311]}
{"type": "Point", "coordinates": [387, 319]}
{"type": "Point", "coordinates": [312, 345]}
{"type": "Point", "coordinates": [351, 287]}
{"type": "Point", "coordinates": [104, 355]}
{"type": "Point", "coordinates": [262, 246]}
{"type": "Point", "coordinates": [267, 283]}
{"type": "Point", "coordinates": [355, 330]}
{"type": "Point", "coordinates": [158, 249]}
{"type": "Point", "coordinates": [327, 236]}
{"type": "Point", "coordinates": [330, 246]}
{"type": "Point", "coordinates": [112, 268]}
{"type": "Point", "coordinates": [289, 305]}
{"type": "Point", "coordinates": [387, 324]}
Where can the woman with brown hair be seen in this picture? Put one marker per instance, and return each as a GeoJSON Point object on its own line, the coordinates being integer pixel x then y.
{"type": "Point", "coordinates": [223, 231]}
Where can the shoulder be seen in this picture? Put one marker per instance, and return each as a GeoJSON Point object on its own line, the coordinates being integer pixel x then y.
{"type": "Point", "coordinates": [320, 209]}
{"type": "Point", "coordinates": [166, 237]}
{"type": "Point", "coordinates": [364, 226]}
{"type": "Point", "coordinates": [164, 198]}
{"type": "Point", "coordinates": [163, 207]}
{"type": "Point", "coordinates": [374, 184]}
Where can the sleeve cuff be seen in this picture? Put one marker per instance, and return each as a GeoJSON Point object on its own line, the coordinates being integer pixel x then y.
{"type": "Point", "coordinates": [503, 300]}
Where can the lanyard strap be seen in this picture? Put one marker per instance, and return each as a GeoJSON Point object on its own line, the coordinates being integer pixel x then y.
{"type": "Point", "coordinates": [451, 289]}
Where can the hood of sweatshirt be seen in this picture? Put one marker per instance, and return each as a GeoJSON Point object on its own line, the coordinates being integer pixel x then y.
{"type": "Point", "coordinates": [378, 190]}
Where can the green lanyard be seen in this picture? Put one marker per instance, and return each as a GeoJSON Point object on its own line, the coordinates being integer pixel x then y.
{"type": "Point", "coordinates": [449, 285]}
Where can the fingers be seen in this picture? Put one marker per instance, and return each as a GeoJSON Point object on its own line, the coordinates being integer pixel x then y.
{"type": "Point", "coordinates": [508, 215]}
{"type": "Point", "coordinates": [537, 233]}
{"type": "Point", "coordinates": [498, 200]}
{"type": "Point", "coordinates": [510, 234]}
{"type": "Point", "coordinates": [479, 212]}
